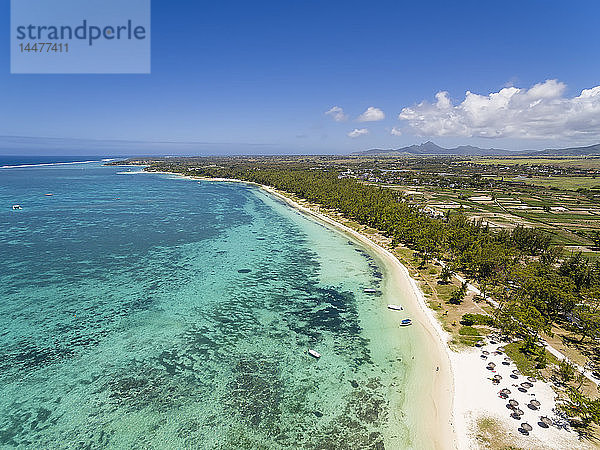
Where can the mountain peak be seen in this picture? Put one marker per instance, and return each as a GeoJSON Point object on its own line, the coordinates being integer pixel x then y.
{"type": "Point", "coordinates": [431, 148]}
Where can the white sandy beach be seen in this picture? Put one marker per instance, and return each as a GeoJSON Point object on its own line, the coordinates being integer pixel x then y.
{"type": "Point", "coordinates": [476, 397]}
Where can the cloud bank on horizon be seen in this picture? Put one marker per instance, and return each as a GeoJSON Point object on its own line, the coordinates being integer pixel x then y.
{"type": "Point", "coordinates": [541, 112]}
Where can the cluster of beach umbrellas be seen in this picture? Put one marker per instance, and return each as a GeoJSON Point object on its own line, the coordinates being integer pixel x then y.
{"type": "Point", "coordinates": [513, 405]}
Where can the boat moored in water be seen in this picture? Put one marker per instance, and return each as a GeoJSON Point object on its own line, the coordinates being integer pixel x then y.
{"type": "Point", "coordinates": [370, 291]}
{"type": "Point", "coordinates": [314, 353]}
{"type": "Point", "coordinates": [17, 207]}
{"type": "Point", "coordinates": [395, 307]}
{"type": "Point", "coordinates": [406, 322]}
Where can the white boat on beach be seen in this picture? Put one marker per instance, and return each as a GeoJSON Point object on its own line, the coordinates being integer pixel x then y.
{"type": "Point", "coordinates": [314, 353]}
{"type": "Point", "coordinates": [370, 291]}
{"type": "Point", "coordinates": [406, 322]}
{"type": "Point", "coordinates": [17, 207]}
{"type": "Point", "coordinates": [395, 307]}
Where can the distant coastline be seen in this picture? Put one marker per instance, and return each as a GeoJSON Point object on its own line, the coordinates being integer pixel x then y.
{"type": "Point", "coordinates": [22, 163]}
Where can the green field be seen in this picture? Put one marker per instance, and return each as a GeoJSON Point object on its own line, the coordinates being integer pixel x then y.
{"type": "Point", "coordinates": [567, 227]}
{"type": "Point", "coordinates": [583, 162]}
{"type": "Point", "coordinates": [566, 183]}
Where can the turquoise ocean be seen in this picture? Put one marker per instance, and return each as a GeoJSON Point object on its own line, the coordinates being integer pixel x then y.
{"type": "Point", "coordinates": [151, 311]}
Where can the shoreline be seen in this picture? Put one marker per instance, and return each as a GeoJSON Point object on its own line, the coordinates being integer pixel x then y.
{"type": "Point", "coordinates": [438, 420]}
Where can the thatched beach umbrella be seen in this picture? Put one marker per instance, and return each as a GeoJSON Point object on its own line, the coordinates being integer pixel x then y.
{"type": "Point", "coordinates": [526, 384]}
{"type": "Point", "coordinates": [526, 426]}
{"type": "Point", "coordinates": [513, 402]}
{"type": "Point", "coordinates": [491, 365]}
{"type": "Point", "coordinates": [546, 420]}
{"type": "Point", "coordinates": [485, 352]}
{"type": "Point", "coordinates": [519, 412]}
{"type": "Point", "coordinates": [535, 403]}
{"type": "Point", "coordinates": [505, 391]}
{"type": "Point", "coordinates": [497, 377]}
{"type": "Point", "coordinates": [531, 379]}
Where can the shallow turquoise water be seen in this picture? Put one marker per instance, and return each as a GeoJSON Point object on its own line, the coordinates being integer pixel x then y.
{"type": "Point", "coordinates": [149, 311]}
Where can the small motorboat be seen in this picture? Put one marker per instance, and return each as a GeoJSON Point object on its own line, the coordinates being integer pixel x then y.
{"type": "Point", "coordinates": [405, 322]}
{"type": "Point", "coordinates": [370, 291]}
{"type": "Point", "coordinates": [48, 195]}
{"type": "Point", "coordinates": [17, 207]}
{"type": "Point", "coordinates": [395, 307]}
{"type": "Point", "coordinates": [314, 353]}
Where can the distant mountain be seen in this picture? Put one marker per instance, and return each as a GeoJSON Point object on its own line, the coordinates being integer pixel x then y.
{"type": "Point", "coordinates": [573, 151]}
{"type": "Point", "coordinates": [430, 148]}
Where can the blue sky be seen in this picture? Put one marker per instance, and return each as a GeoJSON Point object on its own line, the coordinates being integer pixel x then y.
{"type": "Point", "coordinates": [258, 77]}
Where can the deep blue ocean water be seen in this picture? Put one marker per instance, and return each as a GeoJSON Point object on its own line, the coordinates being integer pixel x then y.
{"type": "Point", "coordinates": [151, 311]}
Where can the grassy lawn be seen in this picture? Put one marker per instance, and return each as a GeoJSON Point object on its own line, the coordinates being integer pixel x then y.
{"type": "Point", "coordinates": [491, 434]}
{"type": "Point", "coordinates": [468, 335]}
{"type": "Point", "coordinates": [525, 362]}
{"type": "Point", "coordinates": [592, 256]}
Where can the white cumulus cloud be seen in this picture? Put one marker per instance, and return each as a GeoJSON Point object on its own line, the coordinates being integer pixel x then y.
{"type": "Point", "coordinates": [372, 114]}
{"type": "Point", "coordinates": [541, 112]}
{"type": "Point", "coordinates": [396, 132]}
{"type": "Point", "coordinates": [358, 132]}
{"type": "Point", "coordinates": [337, 113]}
